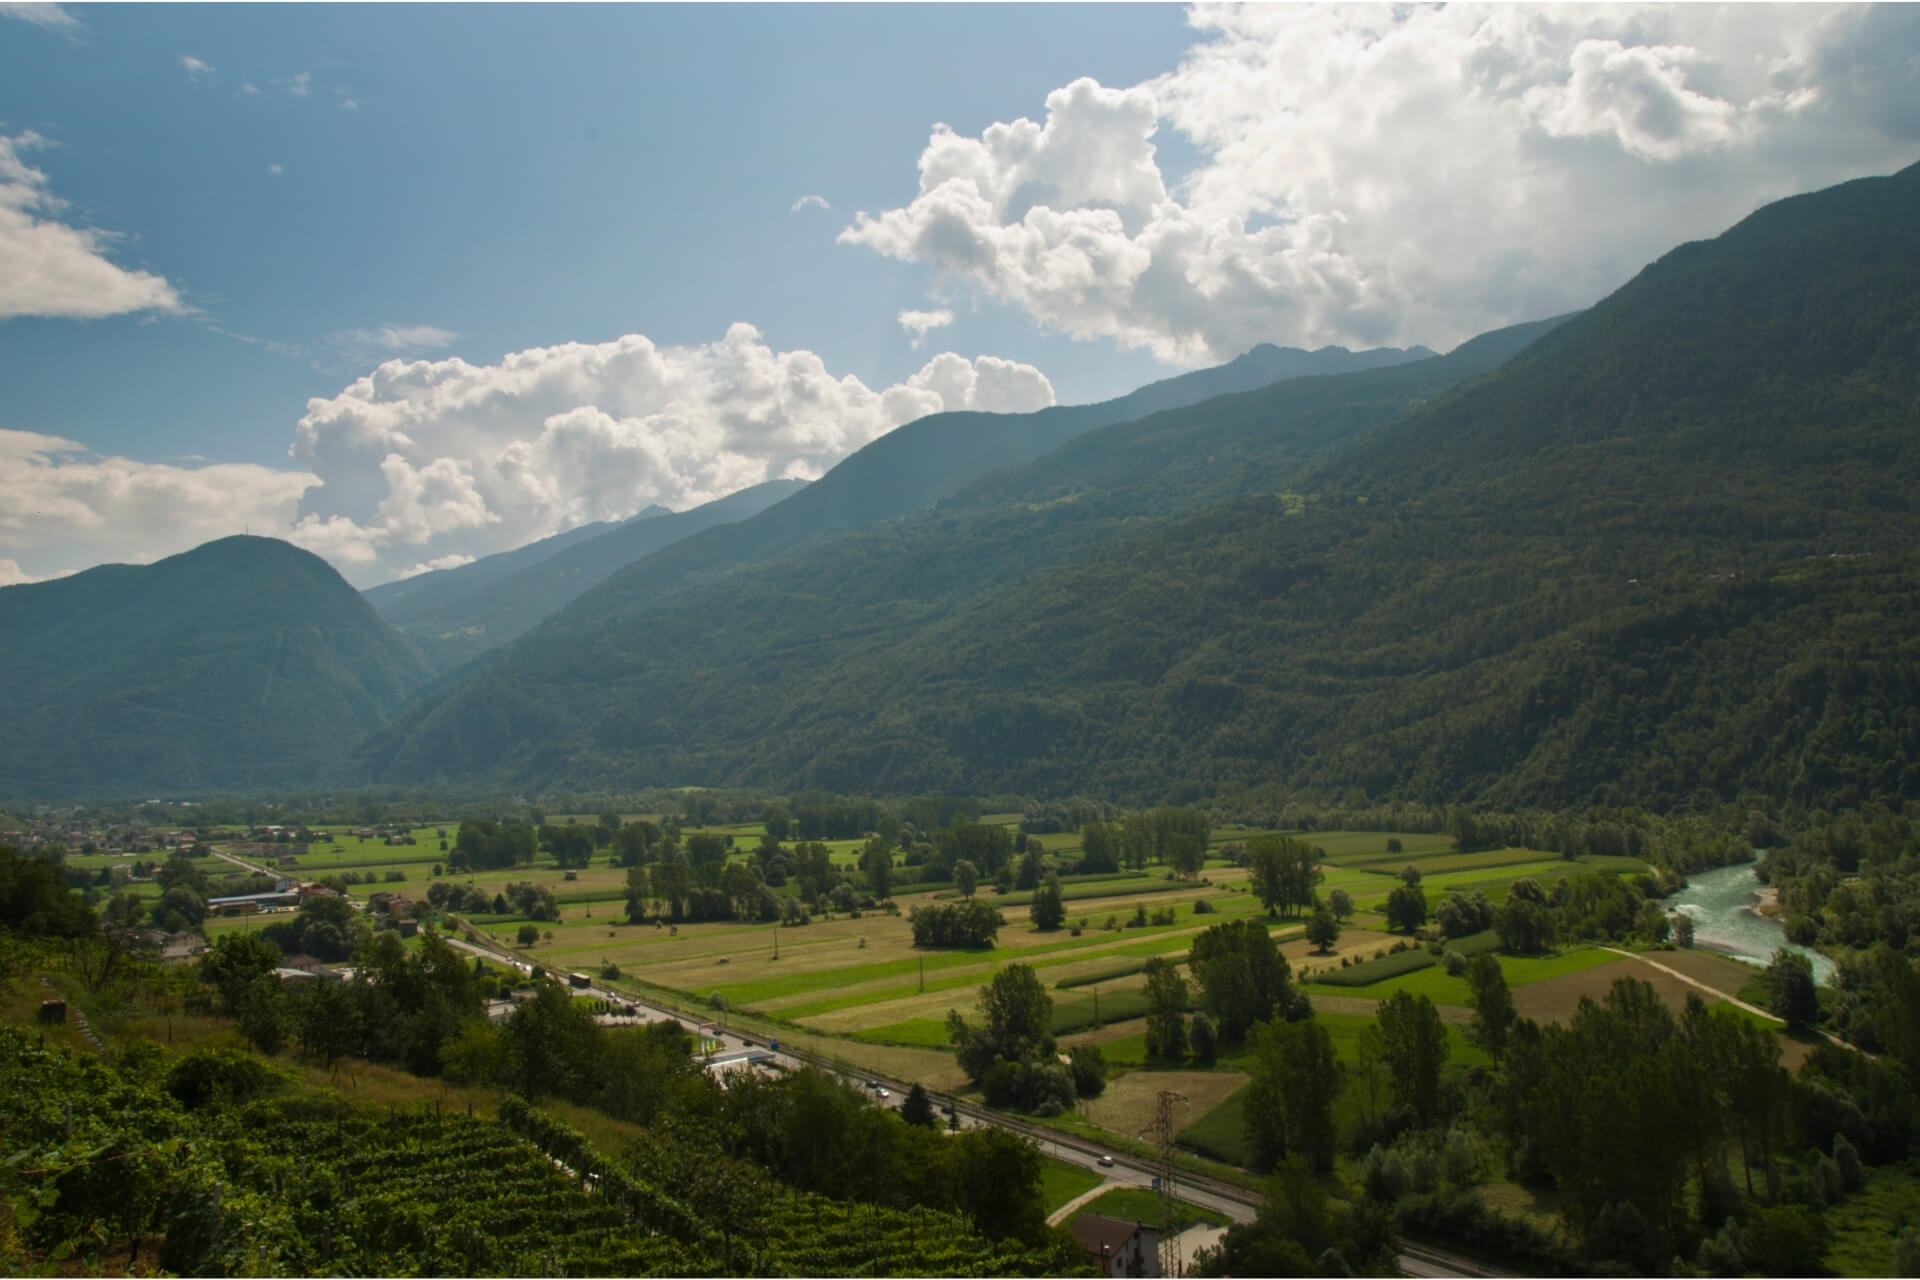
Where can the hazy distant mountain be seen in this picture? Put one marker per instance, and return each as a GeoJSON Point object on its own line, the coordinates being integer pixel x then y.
{"type": "Point", "coordinates": [242, 663]}
{"type": "Point", "coordinates": [1665, 555]}
{"type": "Point", "coordinates": [424, 592]}
{"type": "Point", "coordinates": [453, 625]}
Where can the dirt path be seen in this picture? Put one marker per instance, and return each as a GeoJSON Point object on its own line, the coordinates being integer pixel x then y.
{"type": "Point", "coordinates": [1732, 1000]}
{"type": "Point", "coordinates": [1672, 972]}
{"type": "Point", "coordinates": [1068, 1209]}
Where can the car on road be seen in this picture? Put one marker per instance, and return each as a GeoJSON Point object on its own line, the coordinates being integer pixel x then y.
{"type": "Point", "coordinates": [1106, 1162]}
{"type": "Point", "coordinates": [885, 1094]}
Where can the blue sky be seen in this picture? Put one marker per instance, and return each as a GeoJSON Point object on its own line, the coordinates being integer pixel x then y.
{"type": "Point", "coordinates": [248, 244]}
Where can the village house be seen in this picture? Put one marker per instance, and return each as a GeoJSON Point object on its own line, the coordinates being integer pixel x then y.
{"type": "Point", "coordinates": [1119, 1247]}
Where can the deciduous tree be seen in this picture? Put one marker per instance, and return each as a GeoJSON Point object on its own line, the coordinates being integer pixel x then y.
{"type": "Point", "coordinates": [1166, 1010]}
{"type": "Point", "coordinates": [1492, 1001]}
{"type": "Point", "coordinates": [1414, 1042]}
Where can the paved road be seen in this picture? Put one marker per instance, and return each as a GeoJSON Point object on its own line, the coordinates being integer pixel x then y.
{"type": "Point", "coordinates": [245, 865]}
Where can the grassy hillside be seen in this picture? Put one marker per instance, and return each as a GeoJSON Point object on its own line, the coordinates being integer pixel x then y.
{"type": "Point", "coordinates": [243, 663]}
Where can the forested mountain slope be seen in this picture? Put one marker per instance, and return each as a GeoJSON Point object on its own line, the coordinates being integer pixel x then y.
{"type": "Point", "coordinates": [904, 471]}
{"type": "Point", "coordinates": [1006, 526]}
{"type": "Point", "coordinates": [914, 466]}
{"type": "Point", "coordinates": [1667, 552]}
{"type": "Point", "coordinates": [451, 628]}
{"type": "Point", "coordinates": [242, 663]}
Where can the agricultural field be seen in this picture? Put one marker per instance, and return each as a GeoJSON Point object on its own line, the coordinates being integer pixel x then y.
{"type": "Point", "coordinates": [851, 985]}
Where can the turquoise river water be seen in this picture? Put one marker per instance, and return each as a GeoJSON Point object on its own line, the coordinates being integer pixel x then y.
{"type": "Point", "coordinates": [1723, 903]}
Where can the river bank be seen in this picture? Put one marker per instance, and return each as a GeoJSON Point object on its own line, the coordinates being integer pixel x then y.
{"type": "Point", "coordinates": [1728, 909]}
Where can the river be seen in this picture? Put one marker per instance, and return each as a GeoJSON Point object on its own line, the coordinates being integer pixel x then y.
{"type": "Point", "coordinates": [1723, 905]}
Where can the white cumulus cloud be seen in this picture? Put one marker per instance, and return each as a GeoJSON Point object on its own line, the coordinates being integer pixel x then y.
{"type": "Point", "coordinates": [49, 267]}
{"type": "Point", "coordinates": [50, 16]}
{"type": "Point", "coordinates": [1409, 174]}
{"type": "Point", "coordinates": [62, 509]}
{"type": "Point", "coordinates": [194, 67]}
{"type": "Point", "coordinates": [424, 460]}
{"type": "Point", "coordinates": [809, 202]}
{"type": "Point", "coordinates": [918, 323]}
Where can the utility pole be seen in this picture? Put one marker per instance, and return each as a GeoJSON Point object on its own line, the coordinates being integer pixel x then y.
{"type": "Point", "coordinates": [1166, 1184]}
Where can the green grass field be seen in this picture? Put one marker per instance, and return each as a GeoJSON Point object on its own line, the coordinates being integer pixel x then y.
{"type": "Point", "coordinates": [1134, 1204]}
{"type": "Point", "coordinates": [1061, 1183]}
{"type": "Point", "coordinates": [1221, 1133]}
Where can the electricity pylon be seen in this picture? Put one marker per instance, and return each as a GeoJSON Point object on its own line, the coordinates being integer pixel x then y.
{"type": "Point", "coordinates": [1162, 1133]}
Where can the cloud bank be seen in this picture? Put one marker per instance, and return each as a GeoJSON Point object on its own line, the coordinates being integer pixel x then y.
{"type": "Point", "coordinates": [423, 460]}
{"type": "Point", "coordinates": [49, 267]}
{"type": "Point", "coordinates": [1413, 174]}
{"type": "Point", "coordinates": [428, 464]}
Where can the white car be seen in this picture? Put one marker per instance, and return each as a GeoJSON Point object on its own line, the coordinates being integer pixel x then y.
{"type": "Point", "coordinates": [1106, 1162]}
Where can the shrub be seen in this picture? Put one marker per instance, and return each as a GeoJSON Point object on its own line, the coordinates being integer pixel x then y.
{"type": "Point", "coordinates": [220, 1077]}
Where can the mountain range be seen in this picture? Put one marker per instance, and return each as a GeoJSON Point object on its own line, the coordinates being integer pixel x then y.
{"type": "Point", "coordinates": [1611, 569]}
{"type": "Point", "coordinates": [1658, 553]}
{"type": "Point", "coordinates": [244, 663]}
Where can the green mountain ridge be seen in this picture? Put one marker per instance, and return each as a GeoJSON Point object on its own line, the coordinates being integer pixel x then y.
{"type": "Point", "coordinates": [1610, 571]}
{"type": "Point", "coordinates": [899, 574]}
{"type": "Point", "coordinates": [917, 465]}
{"type": "Point", "coordinates": [454, 627]}
{"type": "Point", "coordinates": [482, 606]}
{"type": "Point", "coordinates": [244, 663]}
